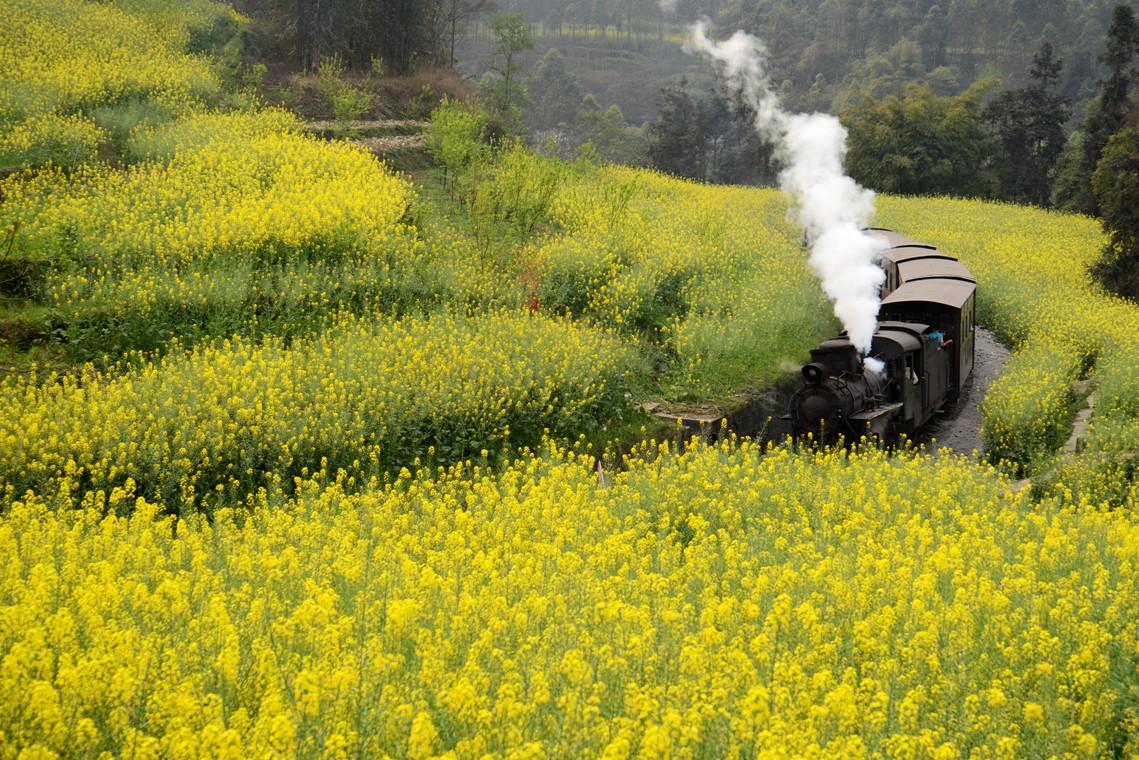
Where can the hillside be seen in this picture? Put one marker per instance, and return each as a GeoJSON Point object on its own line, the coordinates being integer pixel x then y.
{"type": "Point", "coordinates": [820, 52]}
{"type": "Point", "coordinates": [615, 69]}
{"type": "Point", "coordinates": [303, 456]}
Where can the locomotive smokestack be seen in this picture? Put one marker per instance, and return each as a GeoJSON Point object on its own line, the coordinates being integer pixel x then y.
{"type": "Point", "coordinates": [831, 207]}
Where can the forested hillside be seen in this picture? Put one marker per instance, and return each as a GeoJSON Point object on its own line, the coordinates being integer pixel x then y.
{"type": "Point", "coordinates": [821, 49]}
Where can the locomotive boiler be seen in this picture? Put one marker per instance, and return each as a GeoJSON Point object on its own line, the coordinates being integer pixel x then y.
{"type": "Point", "coordinates": [921, 356]}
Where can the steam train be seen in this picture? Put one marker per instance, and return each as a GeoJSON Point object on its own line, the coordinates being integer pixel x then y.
{"type": "Point", "coordinates": [925, 343]}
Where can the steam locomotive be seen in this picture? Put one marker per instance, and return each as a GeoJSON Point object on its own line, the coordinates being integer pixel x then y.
{"type": "Point", "coordinates": [924, 343]}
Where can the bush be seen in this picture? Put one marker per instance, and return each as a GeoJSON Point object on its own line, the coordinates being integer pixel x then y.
{"type": "Point", "coordinates": [456, 138]}
{"type": "Point", "coordinates": [348, 102]}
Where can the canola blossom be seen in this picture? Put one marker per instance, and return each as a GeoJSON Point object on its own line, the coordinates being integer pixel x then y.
{"type": "Point", "coordinates": [716, 275]}
{"type": "Point", "coordinates": [365, 397]}
{"type": "Point", "coordinates": [268, 197]}
{"type": "Point", "coordinates": [259, 224]}
{"type": "Point", "coordinates": [309, 523]}
{"type": "Point", "coordinates": [61, 140]}
{"type": "Point", "coordinates": [197, 129]}
{"type": "Point", "coordinates": [63, 55]}
{"type": "Point", "coordinates": [724, 602]}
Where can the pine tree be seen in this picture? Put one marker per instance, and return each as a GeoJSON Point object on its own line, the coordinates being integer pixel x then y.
{"type": "Point", "coordinates": [1107, 114]}
{"type": "Point", "coordinates": [1028, 127]}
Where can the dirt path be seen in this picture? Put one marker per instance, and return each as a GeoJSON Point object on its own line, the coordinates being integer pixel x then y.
{"type": "Point", "coordinates": [959, 428]}
{"type": "Point", "coordinates": [395, 142]}
{"type": "Point", "coordinates": [359, 126]}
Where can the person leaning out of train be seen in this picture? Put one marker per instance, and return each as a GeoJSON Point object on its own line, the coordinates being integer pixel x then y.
{"type": "Point", "coordinates": [939, 336]}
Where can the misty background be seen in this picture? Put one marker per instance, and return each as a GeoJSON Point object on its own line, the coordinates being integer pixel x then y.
{"type": "Point", "coordinates": [821, 53]}
{"type": "Point", "coordinates": [616, 74]}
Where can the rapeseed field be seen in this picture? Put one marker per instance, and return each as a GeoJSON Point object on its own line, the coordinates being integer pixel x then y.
{"type": "Point", "coordinates": [723, 602]}
{"type": "Point", "coordinates": [336, 482]}
{"type": "Point", "coordinates": [365, 398]}
{"type": "Point", "coordinates": [1036, 293]}
{"type": "Point", "coordinates": [69, 59]}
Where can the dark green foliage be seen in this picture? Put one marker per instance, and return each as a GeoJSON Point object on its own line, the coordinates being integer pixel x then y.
{"type": "Point", "coordinates": [932, 36]}
{"type": "Point", "coordinates": [1108, 112]}
{"type": "Point", "coordinates": [877, 46]}
{"type": "Point", "coordinates": [734, 152]}
{"type": "Point", "coordinates": [710, 139]}
{"type": "Point", "coordinates": [403, 34]}
{"type": "Point", "coordinates": [1116, 187]}
{"type": "Point", "coordinates": [1028, 129]}
{"type": "Point", "coordinates": [564, 123]}
{"type": "Point", "coordinates": [607, 134]}
{"type": "Point", "coordinates": [556, 95]}
{"type": "Point", "coordinates": [1118, 56]}
{"type": "Point", "coordinates": [1071, 190]}
{"type": "Point", "coordinates": [920, 144]}
{"type": "Point", "coordinates": [448, 20]}
{"type": "Point", "coordinates": [676, 139]}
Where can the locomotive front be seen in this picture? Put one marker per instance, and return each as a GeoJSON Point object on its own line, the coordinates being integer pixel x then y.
{"type": "Point", "coordinates": [837, 388]}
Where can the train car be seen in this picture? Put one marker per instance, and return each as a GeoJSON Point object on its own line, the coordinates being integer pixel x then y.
{"type": "Point", "coordinates": [924, 350]}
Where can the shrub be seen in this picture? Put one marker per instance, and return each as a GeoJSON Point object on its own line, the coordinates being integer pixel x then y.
{"type": "Point", "coordinates": [455, 137]}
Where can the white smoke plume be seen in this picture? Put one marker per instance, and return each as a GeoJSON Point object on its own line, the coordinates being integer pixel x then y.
{"type": "Point", "coordinates": [831, 207]}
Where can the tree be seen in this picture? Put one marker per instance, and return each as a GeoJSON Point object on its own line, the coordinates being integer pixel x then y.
{"type": "Point", "coordinates": [611, 138]}
{"type": "Point", "coordinates": [711, 139]}
{"type": "Point", "coordinates": [676, 138]}
{"type": "Point", "coordinates": [456, 138]}
{"type": "Point", "coordinates": [555, 95]}
{"type": "Point", "coordinates": [932, 36]}
{"type": "Point", "coordinates": [1028, 129]}
{"type": "Point", "coordinates": [920, 144]}
{"type": "Point", "coordinates": [1108, 112]}
{"type": "Point", "coordinates": [508, 96]}
{"type": "Point", "coordinates": [456, 13]}
{"type": "Point", "coordinates": [734, 152]}
{"type": "Point", "coordinates": [398, 31]}
{"type": "Point", "coordinates": [1015, 52]}
{"type": "Point", "coordinates": [1116, 187]}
